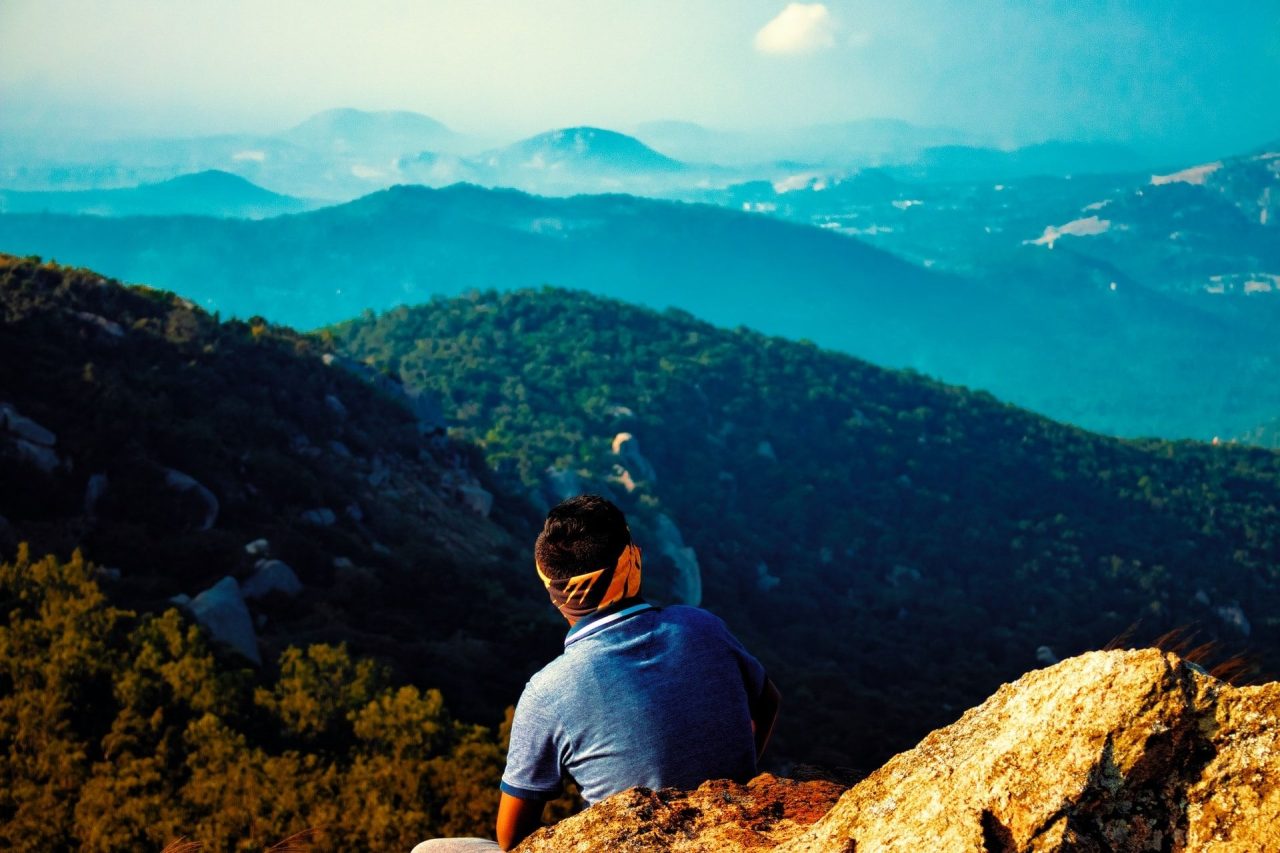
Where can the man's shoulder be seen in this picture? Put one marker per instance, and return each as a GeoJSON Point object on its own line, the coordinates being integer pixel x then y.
{"type": "Point", "coordinates": [543, 683]}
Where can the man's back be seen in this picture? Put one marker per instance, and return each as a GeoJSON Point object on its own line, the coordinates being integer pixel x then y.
{"type": "Point", "coordinates": [646, 696]}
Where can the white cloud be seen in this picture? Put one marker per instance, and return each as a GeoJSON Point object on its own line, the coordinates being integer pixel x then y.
{"type": "Point", "coordinates": [799, 28]}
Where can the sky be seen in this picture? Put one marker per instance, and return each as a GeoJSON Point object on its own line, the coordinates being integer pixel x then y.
{"type": "Point", "coordinates": [1165, 75]}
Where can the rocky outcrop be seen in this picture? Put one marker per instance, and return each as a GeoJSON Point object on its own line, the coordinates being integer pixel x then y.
{"type": "Point", "coordinates": [719, 815]}
{"type": "Point", "coordinates": [24, 428]}
{"type": "Point", "coordinates": [33, 443]}
{"type": "Point", "coordinates": [688, 587]}
{"type": "Point", "coordinates": [1106, 751]}
{"type": "Point", "coordinates": [38, 455]}
{"type": "Point", "coordinates": [561, 484]}
{"type": "Point", "coordinates": [1120, 750]}
{"type": "Point", "coordinates": [187, 484]}
{"type": "Point", "coordinates": [222, 612]}
{"type": "Point", "coordinates": [108, 328]}
{"type": "Point", "coordinates": [627, 448]}
{"type": "Point", "coordinates": [271, 577]}
{"type": "Point", "coordinates": [94, 490]}
{"type": "Point", "coordinates": [320, 516]}
{"type": "Point", "coordinates": [426, 410]}
{"type": "Point", "coordinates": [476, 498]}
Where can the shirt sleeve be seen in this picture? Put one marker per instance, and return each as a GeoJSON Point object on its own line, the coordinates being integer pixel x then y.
{"type": "Point", "coordinates": [753, 674]}
{"type": "Point", "coordinates": [533, 761]}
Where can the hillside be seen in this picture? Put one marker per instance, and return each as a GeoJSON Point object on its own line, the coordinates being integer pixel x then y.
{"type": "Point", "coordinates": [163, 443]}
{"type": "Point", "coordinates": [208, 193]}
{"type": "Point", "coordinates": [1204, 233]}
{"type": "Point", "coordinates": [894, 547]}
{"type": "Point", "coordinates": [1047, 332]}
{"type": "Point", "coordinates": [408, 244]}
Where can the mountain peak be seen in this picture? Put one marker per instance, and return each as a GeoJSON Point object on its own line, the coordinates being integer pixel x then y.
{"type": "Point", "coordinates": [586, 146]}
{"type": "Point", "coordinates": [383, 133]}
{"type": "Point", "coordinates": [350, 119]}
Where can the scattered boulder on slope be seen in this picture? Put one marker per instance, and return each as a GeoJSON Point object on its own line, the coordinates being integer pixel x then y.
{"type": "Point", "coordinates": [33, 442]}
{"type": "Point", "coordinates": [562, 484]}
{"type": "Point", "coordinates": [94, 489]}
{"type": "Point", "coordinates": [222, 612]}
{"type": "Point", "coordinates": [688, 588]}
{"type": "Point", "coordinates": [38, 455]}
{"type": "Point", "coordinates": [476, 498]}
{"type": "Point", "coordinates": [321, 516]}
{"type": "Point", "coordinates": [24, 428]}
{"type": "Point", "coordinates": [719, 815]}
{"type": "Point", "coordinates": [271, 577]}
{"type": "Point", "coordinates": [627, 448]}
{"type": "Point", "coordinates": [1117, 751]}
{"type": "Point", "coordinates": [187, 484]}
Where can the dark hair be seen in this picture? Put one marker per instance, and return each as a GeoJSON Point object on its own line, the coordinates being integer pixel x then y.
{"type": "Point", "coordinates": [580, 535]}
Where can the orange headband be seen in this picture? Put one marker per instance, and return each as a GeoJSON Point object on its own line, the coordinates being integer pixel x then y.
{"type": "Point", "coordinates": [590, 592]}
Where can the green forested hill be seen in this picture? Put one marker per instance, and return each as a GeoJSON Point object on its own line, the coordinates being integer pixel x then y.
{"type": "Point", "coordinates": [334, 473]}
{"type": "Point", "coordinates": [894, 547]}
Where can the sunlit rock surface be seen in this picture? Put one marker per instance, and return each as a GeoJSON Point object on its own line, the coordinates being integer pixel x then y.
{"type": "Point", "coordinates": [719, 815]}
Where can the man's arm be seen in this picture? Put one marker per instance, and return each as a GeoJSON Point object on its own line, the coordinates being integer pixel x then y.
{"type": "Point", "coordinates": [517, 819]}
{"type": "Point", "coordinates": [764, 713]}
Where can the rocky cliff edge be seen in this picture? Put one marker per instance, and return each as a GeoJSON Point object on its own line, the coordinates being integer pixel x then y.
{"type": "Point", "coordinates": [1119, 750]}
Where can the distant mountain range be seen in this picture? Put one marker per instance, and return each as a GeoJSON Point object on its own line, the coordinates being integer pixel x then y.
{"type": "Point", "coordinates": [341, 154]}
{"type": "Point", "coordinates": [1059, 332]}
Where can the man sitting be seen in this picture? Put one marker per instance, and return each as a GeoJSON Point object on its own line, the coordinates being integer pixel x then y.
{"type": "Point", "coordinates": [642, 695]}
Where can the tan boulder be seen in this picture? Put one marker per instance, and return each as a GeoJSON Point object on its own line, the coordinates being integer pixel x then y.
{"type": "Point", "coordinates": [1122, 750]}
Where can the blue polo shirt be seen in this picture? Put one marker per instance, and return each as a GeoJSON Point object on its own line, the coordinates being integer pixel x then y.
{"type": "Point", "coordinates": [642, 696]}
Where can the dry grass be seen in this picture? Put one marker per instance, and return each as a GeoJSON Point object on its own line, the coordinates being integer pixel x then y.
{"type": "Point", "coordinates": [1235, 668]}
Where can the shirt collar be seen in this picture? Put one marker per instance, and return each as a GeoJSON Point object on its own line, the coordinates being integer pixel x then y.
{"type": "Point", "coordinates": [596, 621]}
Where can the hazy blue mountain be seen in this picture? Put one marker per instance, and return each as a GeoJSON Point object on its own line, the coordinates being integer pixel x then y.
{"type": "Point", "coordinates": [336, 155]}
{"type": "Point", "coordinates": [1059, 332]}
{"type": "Point", "coordinates": [586, 148]}
{"type": "Point", "coordinates": [208, 193]}
{"type": "Point", "coordinates": [560, 162]}
{"type": "Point", "coordinates": [387, 134]}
